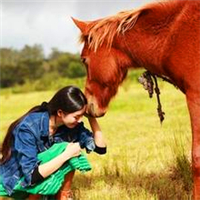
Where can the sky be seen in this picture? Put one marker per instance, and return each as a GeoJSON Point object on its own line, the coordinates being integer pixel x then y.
{"type": "Point", "coordinates": [49, 23]}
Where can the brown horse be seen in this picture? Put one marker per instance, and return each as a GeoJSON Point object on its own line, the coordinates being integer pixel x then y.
{"type": "Point", "coordinates": [164, 38]}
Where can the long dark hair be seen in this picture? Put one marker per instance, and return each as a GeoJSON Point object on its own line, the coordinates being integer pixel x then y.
{"type": "Point", "coordinates": [69, 99]}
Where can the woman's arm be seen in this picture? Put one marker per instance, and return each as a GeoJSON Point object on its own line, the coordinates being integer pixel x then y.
{"type": "Point", "coordinates": [25, 144]}
{"type": "Point", "coordinates": [46, 169]}
{"type": "Point", "coordinates": [98, 135]}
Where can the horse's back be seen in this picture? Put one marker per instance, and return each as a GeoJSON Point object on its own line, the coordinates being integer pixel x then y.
{"type": "Point", "coordinates": [184, 47]}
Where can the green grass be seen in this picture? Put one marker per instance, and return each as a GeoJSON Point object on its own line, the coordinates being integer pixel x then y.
{"type": "Point", "coordinates": [145, 160]}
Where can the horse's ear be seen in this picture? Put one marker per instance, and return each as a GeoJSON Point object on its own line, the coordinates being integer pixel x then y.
{"type": "Point", "coordinates": [81, 25]}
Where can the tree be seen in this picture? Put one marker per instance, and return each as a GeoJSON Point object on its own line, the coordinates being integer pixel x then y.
{"type": "Point", "coordinates": [10, 74]}
{"type": "Point", "coordinates": [55, 53]}
{"type": "Point", "coordinates": [29, 64]}
{"type": "Point", "coordinates": [31, 59]}
{"type": "Point", "coordinates": [75, 69]}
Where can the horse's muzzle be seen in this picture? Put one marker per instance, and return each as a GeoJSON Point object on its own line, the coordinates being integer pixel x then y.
{"type": "Point", "coordinates": [92, 112]}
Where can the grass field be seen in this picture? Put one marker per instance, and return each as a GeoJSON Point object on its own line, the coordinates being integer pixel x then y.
{"type": "Point", "coordinates": [145, 160]}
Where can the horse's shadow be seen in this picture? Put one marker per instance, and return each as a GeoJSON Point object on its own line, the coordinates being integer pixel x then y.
{"type": "Point", "coordinates": [162, 186]}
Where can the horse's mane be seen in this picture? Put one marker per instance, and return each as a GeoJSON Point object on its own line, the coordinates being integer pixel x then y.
{"type": "Point", "coordinates": [107, 28]}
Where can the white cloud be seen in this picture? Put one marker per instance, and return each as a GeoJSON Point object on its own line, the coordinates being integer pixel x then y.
{"type": "Point", "coordinates": [49, 22]}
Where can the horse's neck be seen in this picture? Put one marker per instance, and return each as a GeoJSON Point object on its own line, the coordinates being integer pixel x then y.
{"type": "Point", "coordinates": [146, 41]}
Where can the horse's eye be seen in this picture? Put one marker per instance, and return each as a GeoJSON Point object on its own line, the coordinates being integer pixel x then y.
{"type": "Point", "coordinates": [83, 60]}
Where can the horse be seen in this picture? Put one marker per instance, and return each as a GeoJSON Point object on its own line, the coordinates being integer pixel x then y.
{"type": "Point", "coordinates": [164, 38]}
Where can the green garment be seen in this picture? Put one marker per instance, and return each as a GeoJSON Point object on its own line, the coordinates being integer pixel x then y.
{"type": "Point", "coordinates": [52, 183]}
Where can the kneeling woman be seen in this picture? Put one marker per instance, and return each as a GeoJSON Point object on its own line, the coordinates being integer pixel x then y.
{"type": "Point", "coordinates": [38, 144]}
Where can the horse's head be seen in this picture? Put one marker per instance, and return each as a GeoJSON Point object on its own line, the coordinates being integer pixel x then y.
{"type": "Point", "coordinates": [106, 65]}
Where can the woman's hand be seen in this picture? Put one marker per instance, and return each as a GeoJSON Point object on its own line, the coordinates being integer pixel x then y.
{"type": "Point", "coordinates": [72, 150]}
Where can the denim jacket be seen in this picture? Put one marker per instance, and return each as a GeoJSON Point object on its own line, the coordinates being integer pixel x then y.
{"type": "Point", "coordinates": [31, 137]}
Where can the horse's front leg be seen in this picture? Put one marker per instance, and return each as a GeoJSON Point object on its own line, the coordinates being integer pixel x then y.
{"type": "Point", "coordinates": [193, 101]}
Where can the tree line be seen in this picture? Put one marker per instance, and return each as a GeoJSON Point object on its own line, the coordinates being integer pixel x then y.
{"type": "Point", "coordinates": [30, 64]}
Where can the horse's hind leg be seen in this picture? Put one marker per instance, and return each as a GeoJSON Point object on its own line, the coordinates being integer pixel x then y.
{"type": "Point", "coordinates": [193, 101]}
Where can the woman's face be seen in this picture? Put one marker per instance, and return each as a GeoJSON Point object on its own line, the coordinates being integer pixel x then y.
{"type": "Point", "coordinates": [72, 119]}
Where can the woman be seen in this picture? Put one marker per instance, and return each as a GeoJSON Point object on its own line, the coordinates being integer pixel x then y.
{"type": "Point", "coordinates": [37, 131]}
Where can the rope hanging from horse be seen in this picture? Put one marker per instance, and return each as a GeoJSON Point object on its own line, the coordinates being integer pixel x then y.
{"type": "Point", "coordinates": [147, 80]}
